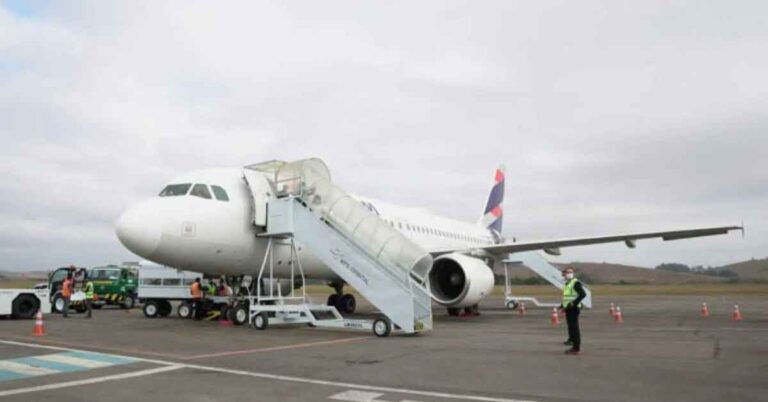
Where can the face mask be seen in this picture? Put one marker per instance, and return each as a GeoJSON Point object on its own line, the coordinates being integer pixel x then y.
{"type": "Point", "coordinates": [569, 276]}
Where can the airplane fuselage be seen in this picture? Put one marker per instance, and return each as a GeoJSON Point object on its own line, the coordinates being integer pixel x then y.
{"type": "Point", "coordinates": [217, 236]}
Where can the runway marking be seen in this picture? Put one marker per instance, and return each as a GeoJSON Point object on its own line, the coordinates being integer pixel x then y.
{"type": "Point", "coordinates": [11, 370]}
{"type": "Point", "coordinates": [100, 348]}
{"type": "Point", "coordinates": [274, 348]}
{"type": "Point", "coordinates": [90, 380]}
{"type": "Point", "coordinates": [57, 363]}
{"type": "Point", "coordinates": [73, 361]}
{"type": "Point", "coordinates": [361, 396]}
{"type": "Point", "coordinates": [174, 365]}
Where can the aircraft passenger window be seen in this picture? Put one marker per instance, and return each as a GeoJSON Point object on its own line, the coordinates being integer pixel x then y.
{"type": "Point", "coordinates": [201, 190]}
{"type": "Point", "coordinates": [400, 225]}
{"type": "Point", "coordinates": [220, 193]}
{"type": "Point", "coordinates": [173, 190]}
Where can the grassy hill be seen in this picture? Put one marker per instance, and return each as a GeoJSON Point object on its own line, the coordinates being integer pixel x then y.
{"type": "Point", "coordinates": [755, 270]}
{"type": "Point", "coordinates": [608, 273]}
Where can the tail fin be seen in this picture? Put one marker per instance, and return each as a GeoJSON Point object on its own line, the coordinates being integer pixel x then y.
{"type": "Point", "coordinates": [493, 214]}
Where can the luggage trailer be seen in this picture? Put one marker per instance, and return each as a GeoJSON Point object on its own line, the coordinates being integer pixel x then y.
{"type": "Point", "coordinates": [160, 286]}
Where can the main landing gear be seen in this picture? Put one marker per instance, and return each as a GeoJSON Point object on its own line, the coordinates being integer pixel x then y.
{"type": "Point", "coordinates": [345, 303]}
{"type": "Point", "coordinates": [473, 310]}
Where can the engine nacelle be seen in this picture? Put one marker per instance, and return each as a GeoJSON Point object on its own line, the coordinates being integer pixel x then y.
{"type": "Point", "coordinates": [457, 280]}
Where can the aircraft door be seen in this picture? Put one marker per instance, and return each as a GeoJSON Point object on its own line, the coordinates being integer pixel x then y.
{"type": "Point", "coordinates": [261, 191]}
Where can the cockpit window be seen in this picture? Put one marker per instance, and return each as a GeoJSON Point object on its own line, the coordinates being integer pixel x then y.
{"type": "Point", "coordinates": [201, 190]}
{"type": "Point", "coordinates": [220, 193]}
{"type": "Point", "coordinates": [173, 190]}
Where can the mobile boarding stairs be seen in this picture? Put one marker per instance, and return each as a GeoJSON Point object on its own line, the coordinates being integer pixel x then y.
{"type": "Point", "coordinates": [385, 267]}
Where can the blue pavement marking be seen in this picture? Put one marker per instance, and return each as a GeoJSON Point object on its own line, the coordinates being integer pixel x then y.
{"type": "Point", "coordinates": [60, 367]}
{"type": "Point", "coordinates": [34, 366]}
{"type": "Point", "coordinates": [10, 375]}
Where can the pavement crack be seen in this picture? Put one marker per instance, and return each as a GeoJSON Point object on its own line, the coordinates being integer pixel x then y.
{"type": "Point", "coordinates": [359, 362]}
{"type": "Point", "coordinates": [716, 349]}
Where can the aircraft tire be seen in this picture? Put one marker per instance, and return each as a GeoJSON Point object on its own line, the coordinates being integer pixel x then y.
{"type": "Point", "coordinates": [454, 311]}
{"type": "Point", "coordinates": [347, 304]}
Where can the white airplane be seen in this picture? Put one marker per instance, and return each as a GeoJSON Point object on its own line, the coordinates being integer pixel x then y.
{"type": "Point", "coordinates": [202, 221]}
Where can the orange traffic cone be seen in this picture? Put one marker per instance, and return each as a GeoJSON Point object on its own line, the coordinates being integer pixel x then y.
{"type": "Point", "coordinates": [618, 318]}
{"type": "Point", "coordinates": [39, 330]}
{"type": "Point", "coordinates": [555, 317]}
{"type": "Point", "coordinates": [522, 310]}
{"type": "Point", "coordinates": [612, 310]}
{"type": "Point", "coordinates": [737, 313]}
{"type": "Point", "coordinates": [704, 310]}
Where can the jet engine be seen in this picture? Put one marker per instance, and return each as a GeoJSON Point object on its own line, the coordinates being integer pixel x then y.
{"type": "Point", "coordinates": [457, 280]}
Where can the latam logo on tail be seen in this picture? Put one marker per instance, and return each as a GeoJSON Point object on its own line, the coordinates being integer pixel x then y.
{"type": "Point", "coordinates": [493, 214]}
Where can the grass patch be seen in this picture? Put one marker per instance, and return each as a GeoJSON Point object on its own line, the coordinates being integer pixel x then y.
{"type": "Point", "coordinates": [18, 283]}
{"type": "Point", "coordinates": [692, 289]}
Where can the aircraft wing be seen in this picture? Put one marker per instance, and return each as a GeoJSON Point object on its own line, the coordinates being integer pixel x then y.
{"type": "Point", "coordinates": [553, 246]}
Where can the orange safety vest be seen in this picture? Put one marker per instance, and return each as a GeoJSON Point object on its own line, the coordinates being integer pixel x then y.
{"type": "Point", "coordinates": [195, 290]}
{"type": "Point", "coordinates": [66, 288]}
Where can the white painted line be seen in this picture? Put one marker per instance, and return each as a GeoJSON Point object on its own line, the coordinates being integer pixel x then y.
{"type": "Point", "coordinates": [90, 380]}
{"type": "Point", "coordinates": [73, 361]}
{"type": "Point", "coordinates": [25, 369]}
{"type": "Point", "coordinates": [353, 385]}
{"type": "Point", "coordinates": [284, 377]}
{"type": "Point", "coordinates": [357, 396]}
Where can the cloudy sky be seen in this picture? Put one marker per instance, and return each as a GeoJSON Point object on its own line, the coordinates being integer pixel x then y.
{"type": "Point", "coordinates": [610, 116]}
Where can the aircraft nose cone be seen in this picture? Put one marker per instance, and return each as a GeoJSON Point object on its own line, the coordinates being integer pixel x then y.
{"type": "Point", "coordinates": [139, 231]}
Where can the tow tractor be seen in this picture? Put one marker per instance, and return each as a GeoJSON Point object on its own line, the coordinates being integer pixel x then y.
{"type": "Point", "coordinates": [24, 303]}
{"type": "Point", "coordinates": [55, 282]}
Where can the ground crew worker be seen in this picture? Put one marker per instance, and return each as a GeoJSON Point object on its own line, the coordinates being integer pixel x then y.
{"type": "Point", "coordinates": [573, 294]}
{"type": "Point", "coordinates": [66, 293]}
{"type": "Point", "coordinates": [224, 289]}
{"type": "Point", "coordinates": [197, 296]}
{"type": "Point", "coordinates": [211, 288]}
{"type": "Point", "coordinates": [88, 296]}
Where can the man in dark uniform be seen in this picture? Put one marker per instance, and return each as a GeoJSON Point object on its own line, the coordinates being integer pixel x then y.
{"type": "Point", "coordinates": [573, 294]}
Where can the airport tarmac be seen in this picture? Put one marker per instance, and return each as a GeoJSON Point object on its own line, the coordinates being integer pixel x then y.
{"type": "Point", "coordinates": [663, 351]}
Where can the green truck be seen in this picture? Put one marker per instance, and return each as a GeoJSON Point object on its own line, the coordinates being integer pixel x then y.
{"type": "Point", "coordinates": [112, 285]}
